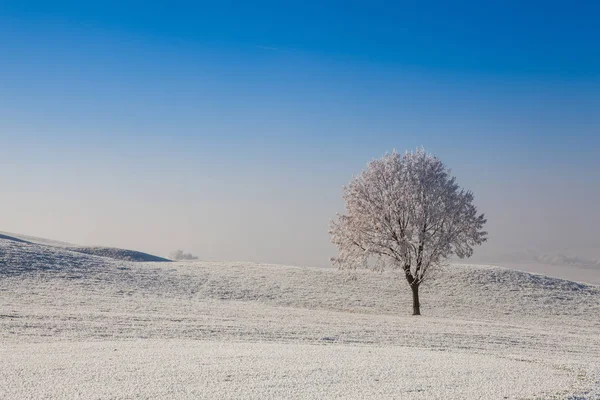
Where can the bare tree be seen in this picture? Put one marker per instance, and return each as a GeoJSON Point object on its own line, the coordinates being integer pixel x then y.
{"type": "Point", "coordinates": [406, 212]}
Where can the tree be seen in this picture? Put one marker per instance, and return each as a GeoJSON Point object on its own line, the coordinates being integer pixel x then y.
{"type": "Point", "coordinates": [406, 212]}
{"type": "Point", "coordinates": [179, 255]}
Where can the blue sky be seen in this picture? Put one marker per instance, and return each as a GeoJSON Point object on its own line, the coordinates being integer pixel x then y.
{"type": "Point", "coordinates": [158, 126]}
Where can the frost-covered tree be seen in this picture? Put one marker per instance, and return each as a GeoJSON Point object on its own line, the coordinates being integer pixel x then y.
{"type": "Point", "coordinates": [406, 212]}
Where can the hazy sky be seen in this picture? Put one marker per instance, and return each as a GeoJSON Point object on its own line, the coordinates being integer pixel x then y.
{"type": "Point", "coordinates": [228, 129]}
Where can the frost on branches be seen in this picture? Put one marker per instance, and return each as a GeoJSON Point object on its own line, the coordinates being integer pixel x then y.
{"type": "Point", "coordinates": [406, 212]}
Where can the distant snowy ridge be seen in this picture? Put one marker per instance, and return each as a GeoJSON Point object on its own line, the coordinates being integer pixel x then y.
{"type": "Point", "coordinates": [14, 239]}
{"type": "Point", "coordinates": [119, 254]}
{"type": "Point", "coordinates": [33, 239]}
{"type": "Point", "coordinates": [588, 259]}
{"type": "Point", "coordinates": [108, 252]}
{"type": "Point", "coordinates": [562, 259]}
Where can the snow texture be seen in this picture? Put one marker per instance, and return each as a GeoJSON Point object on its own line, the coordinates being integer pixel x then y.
{"type": "Point", "coordinates": [78, 326]}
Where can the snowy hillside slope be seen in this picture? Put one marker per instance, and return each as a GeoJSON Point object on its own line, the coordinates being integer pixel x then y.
{"type": "Point", "coordinates": [14, 239]}
{"type": "Point", "coordinates": [33, 239]}
{"type": "Point", "coordinates": [18, 257]}
{"type": "Point", "coordinates": [79, 326]}
{"type": "Point", "coordinates": [119, 254]}
{"type": "Point", "coordinates": [110, 252]}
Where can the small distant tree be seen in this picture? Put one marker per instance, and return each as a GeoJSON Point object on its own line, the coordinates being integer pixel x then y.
{"type": "Point", "coordinates": [406, 212]}
{"type": "Point", "coordinates": [179, 255]}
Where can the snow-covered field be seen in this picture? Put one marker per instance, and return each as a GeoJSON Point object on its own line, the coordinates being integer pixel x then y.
{"type": "Point", "coordinates": [81, 326]}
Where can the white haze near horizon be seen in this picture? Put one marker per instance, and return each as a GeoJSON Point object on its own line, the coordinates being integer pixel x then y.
{"type": "Point", "coordinates": [279, 213]}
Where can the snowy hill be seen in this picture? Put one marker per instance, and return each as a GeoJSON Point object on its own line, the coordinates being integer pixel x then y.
{"type": "Point", "coordinates": [119, 254]}
{"type": "Point", "coordinates": [33, 239]}
{"type": "Point", "coordinates": [243, 330]}
{"type": "Point", "coordinates": [110, 252]}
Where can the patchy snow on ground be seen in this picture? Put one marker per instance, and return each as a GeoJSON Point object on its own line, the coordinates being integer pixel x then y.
{"type": "Point", "coordinates": [80, 326]}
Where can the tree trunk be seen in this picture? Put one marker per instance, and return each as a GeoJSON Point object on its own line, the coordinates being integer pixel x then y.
{"type": "Point", "coordinates": [416, 305]}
